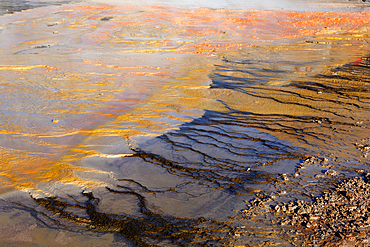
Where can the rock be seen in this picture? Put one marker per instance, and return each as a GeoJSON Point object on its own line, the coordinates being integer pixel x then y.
{"type": "Point", "coordinates": [331, 173]}
{"type": "Point", "coordinates": [55, 121]}
{"type": "Point", "coordinates": [313, 218]}
{"type": "Point", "coordinates": [324, 161]}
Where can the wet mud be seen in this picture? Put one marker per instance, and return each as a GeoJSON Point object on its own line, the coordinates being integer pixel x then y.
{"type": "Point", "coordinates": [161, 126]}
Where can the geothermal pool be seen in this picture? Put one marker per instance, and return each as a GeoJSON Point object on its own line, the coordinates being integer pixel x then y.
{"type": "Point", "coordinates": [160, 124]}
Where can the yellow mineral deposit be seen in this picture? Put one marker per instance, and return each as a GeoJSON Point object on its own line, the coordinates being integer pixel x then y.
{"type": "Point", "coordinates": [141, 72]}
{"type": "Point", "coordinates": [21, 68]}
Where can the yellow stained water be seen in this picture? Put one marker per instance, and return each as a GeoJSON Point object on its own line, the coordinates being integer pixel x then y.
{"type": "Point", "coordinates": [143, 72]}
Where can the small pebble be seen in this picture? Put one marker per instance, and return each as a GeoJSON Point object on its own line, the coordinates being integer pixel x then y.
{"type": "Point", "coordinates": [55, 121]}
{"type": "Point", "coordinates": [324, 161]}
{"type": "Point", "coordinates": [331, 173]}
{"type": "Point", "coordinates": [55, 32]}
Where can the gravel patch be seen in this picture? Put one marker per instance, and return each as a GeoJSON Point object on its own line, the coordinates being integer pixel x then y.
{"type": "Point", "coordinates": [340, 217]}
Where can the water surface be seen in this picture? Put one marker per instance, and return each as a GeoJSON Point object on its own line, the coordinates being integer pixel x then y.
{"type": "Point", "coordinates": [155, 125]}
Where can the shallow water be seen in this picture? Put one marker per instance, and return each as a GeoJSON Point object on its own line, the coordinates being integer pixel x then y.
{"type": "Point", "coordinates": [12, 6]}
{"type": "Point", "coordinates": [154, 125]}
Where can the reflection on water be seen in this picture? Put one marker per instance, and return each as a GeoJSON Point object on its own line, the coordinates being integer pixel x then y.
{"type": "Point", "coordinates": [154, 126]}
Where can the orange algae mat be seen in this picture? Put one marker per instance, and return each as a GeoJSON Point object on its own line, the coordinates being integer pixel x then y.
{"type": "Point", "coordinates": [75, 80]}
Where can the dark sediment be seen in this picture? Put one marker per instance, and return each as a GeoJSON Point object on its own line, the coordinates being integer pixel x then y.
{"type": "Point", "coordinates": [148, 230]}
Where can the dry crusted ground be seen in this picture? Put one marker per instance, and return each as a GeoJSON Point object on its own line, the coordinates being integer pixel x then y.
{"type": "Point", "coordinates": [340, 217]}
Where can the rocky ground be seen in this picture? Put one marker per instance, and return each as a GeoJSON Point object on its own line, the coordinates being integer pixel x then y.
{"type": "Point", "coordinates": [340, 217]}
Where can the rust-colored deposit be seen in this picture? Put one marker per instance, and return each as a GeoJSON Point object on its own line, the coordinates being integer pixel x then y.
{"type": "Point", "coordinates": [87, 75]}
